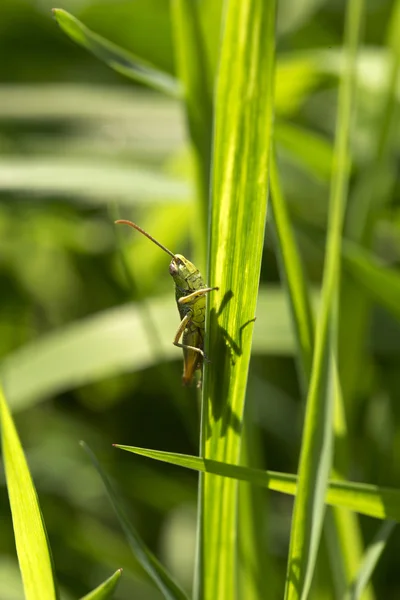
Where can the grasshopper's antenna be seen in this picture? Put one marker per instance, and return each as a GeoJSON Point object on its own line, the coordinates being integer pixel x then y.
{"type": "Point", "coordinates": [131, 224]}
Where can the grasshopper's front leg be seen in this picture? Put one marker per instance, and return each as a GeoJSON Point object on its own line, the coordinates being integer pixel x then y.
{"type": "Point", "coordinates": [183, 324]}
{"type": "Point", "coordinates": [196, 294]}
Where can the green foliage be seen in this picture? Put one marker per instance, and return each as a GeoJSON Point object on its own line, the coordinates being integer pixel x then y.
{"type": "Point", "coordinates": [106, 589]}
{"type": "Point", "coordinates": [88, 315]}
{"type": "Point", "coordinates": [369, 500]}
{"type": "Point", "coordinates": [372, 555]}
{"type": "Point", "coordinates": [148, 561]}
{"type": "Point", "coordinates": [324, 385]}
{"type": "Point", "coordinates": [117, 58]}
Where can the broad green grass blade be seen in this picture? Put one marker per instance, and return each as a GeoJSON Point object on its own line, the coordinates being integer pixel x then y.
{"type": "Point", "coordinates": [118, 59]}
{"type": "Point", "coordinates": [366, 499]}
{"type": "Point", "coordinates": [194, 77]}
{"type": "Point", "coordinates": [148, 561]}
{"type": "Point", "coordinates": [242, 139]}
{"type": "Point", "coordinates": [93, 102]}
{"type": "Point", "coordinates": [34, 554]}
{"type": "Point", "coordinates": [370, 561]}
{"type": "Point", "coordinates": [382, 283]}
{"type": "Point", "coordinates": [316, 450]}
{"type": "Point", "coordinates": [91, 180]}
{"type": "Point", "coordinates": [115, 341]}
{"type": "Point", "coordinates": [106, 590]}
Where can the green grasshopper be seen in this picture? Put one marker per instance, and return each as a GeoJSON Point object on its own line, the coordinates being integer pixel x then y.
{"type": "Point", "coordinates": [190, 292]}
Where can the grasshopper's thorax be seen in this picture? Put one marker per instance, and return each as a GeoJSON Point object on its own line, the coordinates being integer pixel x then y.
{"type": "Point", "coordinates": [186, 276]}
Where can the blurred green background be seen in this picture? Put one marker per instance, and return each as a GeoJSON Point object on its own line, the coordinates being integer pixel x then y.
{"type": "Point", "coordinates": [80, 146]}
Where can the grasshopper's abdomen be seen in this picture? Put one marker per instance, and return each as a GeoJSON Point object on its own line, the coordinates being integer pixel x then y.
{"type": "Point", "coordinates": [192, 336]}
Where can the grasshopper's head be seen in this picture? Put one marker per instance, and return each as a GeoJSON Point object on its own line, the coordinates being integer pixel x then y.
{"type": "Point", "coordinates": [180, 268]}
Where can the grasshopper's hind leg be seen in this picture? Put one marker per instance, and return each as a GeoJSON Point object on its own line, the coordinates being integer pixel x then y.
{"type": "Point", "coordinates": [183, 324]}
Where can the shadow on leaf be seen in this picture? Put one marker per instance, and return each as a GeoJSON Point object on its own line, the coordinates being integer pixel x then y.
{"type": "Point", "coordinates": [224, 351]}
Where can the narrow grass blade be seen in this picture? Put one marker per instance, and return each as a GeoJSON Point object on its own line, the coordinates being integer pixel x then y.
{"type": "Point", "coordinates": [256, 573]}
{"type": "Point", "coordinates": [316, 450]}
{"type": "Point", "coordinates": [242, 139]}
{"type": "Point", "coordinates": [118, 59]}
{"type": "Point", "coordinates": [149, 562]}
{"type": "Point", "coordinates": [366, 499]}
{"type": "Point", "coordinates": [370, 561]}
{"type": "Point", "coordinates": [106, 589]}
{"type": "Point", "coordinates": [294, 278]}
{"type": "Point", "coordinates": [345, 545]}
{"type": "Point", "coordinates": [34, 554]}
{"type": "Point", "coordinates": [342, 529]}
{"type": "Point", "coordinates": [197, 96]}
{"type": "Point", "coordinates": [344, 538]}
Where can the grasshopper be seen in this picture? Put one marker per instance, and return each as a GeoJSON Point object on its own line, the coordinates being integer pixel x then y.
{"type": "Point", "coordinates": [190, 295]}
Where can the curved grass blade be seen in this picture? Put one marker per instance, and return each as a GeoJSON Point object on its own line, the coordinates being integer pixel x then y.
{"type": "Point", "coordinates": [96, 183]}
{"type": "Point", "coordinates": [115, 341]}
{"type": "Point", "coordinates": [294, 277]}
{"type": "Point", "coordinates": [105, 590]}
{"type": "Point", "coordinates": [257, 575]}
{"type": "Point", "coordinates": [344, 549]}
{"type": "Point", "coordinates": [366, 499]}
{"type": "Point", "coordinates": [90, 103]}
{"type": "Point", "coordinates": [148, 561]}
{"type": "Point", "coordinates": [370, 561]}
{"type": "Point", "coordinates": [316, 450]}
{"type": "Point", "coordinates": [242, 135]}
{"type": "Point", "coordinates": [342, 530]}
{"type": "Point", "coordinates": [118, 59]}
{"type": "Point", "coordinates": [34, 554]}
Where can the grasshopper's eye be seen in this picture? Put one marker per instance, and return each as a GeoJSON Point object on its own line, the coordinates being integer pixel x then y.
{"type": "Point", "coordinates": [173, 270]}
